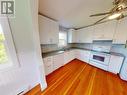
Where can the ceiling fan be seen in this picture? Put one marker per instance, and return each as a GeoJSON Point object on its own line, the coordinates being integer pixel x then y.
{"type": "Point", "coordinates": [117, 12]}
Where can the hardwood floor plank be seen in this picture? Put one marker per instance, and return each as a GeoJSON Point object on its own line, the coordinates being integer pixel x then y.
{"type": "Point", "coordinates": [79, 78]}
{"type": "Point", "coordinates": [74, 81]}
{"type": "Point", "coordinates": [83, 83]}
{"type": "Point", "coordinates": [98, 84]}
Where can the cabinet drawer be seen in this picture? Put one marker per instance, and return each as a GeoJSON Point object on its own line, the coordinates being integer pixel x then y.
{"type": "Point", "coordinates": [115, 64]}
{"type": "Point", "coordinates": [58, 61]}
{"type": "Point", "coordinates": [86, 53]}
{"type": "Point", "coordinates": [48, 69]}
{"type": "Point", "coordinates": [48, 61]}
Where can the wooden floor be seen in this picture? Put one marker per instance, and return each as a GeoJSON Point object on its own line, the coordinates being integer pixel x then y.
{"type": "Point", "coordinates": [79, 78]}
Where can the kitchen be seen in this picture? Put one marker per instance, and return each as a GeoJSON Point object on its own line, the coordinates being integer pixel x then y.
{"type": "Point", "coordinates": [102, 45]}
{"type": "Point", "coordinates": [85, 48]}
{"type": "Point", "coordinates": [61, 47]}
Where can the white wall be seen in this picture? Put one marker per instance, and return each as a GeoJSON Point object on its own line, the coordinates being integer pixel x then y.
{"type": "Point", "coordinates": [34, 13]}
{"type": "Point", "coordinates": [25, 33]}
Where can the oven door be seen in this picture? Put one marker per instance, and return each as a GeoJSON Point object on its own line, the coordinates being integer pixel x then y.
{"type": "Point", "coordinates": [101, 58]}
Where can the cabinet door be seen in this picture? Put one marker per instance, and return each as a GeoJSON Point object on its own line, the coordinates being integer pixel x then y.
{"type": "Point", "coordinates": [72, 55]}
{"type": "Point", "coordinates": [66, 57]}
{"type": "Point", "coordinates": [69, 56]}
{"type": "Point", "coordinates": [115, 64]}
{"type": "Point", "coordinates": [109, 30]}
{"type": "Point", "coordinates": [71, 36]}
{"type": "Point", "coordinates": [79, 36]}
{"type": "Point", "coordinates": [98, 32]}
{"type": "Point", "coordinates": [86, 55]}
{"type": "Point", "coordinates": [48, 63]}
{"type": "Point", "coordinates": [123, 73]}
{"type": "Point", "coordinates": [54, 32]}
{"type": "Point", "coordinates": [77, 54]}
{"type": "Point", "coordinates": [120, 35]}
{"type": "Point", "coordinates": [104, 31]}
{"type": "Point", "coordinates": [44, 30]}
{"type": "Point", "coordinates": [89, 35]}
{"type": "Point", "coordinates": [86, 35]}
{"type": "Point", "coordinates": [58, 61]}
{"type": "Point", "coordinates": [83, 55]}
{"type": "Point", "coordinates": [49, 30]}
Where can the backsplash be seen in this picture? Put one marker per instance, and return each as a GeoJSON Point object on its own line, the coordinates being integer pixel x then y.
{"type": "Point", "coordinates": [52, 47]}
{"type": "Point", "coordinates": [86, 46]}
{"type": "Point", "coordinates": [114, 48]}
{"type": "Point", "coordinates": [90, 45]}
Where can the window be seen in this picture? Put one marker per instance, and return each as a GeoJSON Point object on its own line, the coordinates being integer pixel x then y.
{"type": "Point", "coordinates": [8, 56]}
{"type": "Point", "coordinates": [3, 53]}
{"type": "Point", "coordinates": [62, 38]}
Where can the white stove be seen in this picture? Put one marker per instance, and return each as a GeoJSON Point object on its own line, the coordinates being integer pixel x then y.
{"type": "Point", "coordinates": [101, 48]}
{"type": "Point", "coordinates": [100, 56]}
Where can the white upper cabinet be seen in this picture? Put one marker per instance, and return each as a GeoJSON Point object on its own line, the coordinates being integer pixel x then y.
{"type": "Point", "coordinates": [49, 30]}
{"type": "Point", "coordinates": [78, 36]}
{"type": "Point", "coordinates": [54, 28]}
{"type": "Point", "coordinates": [104, 31]}
{"type": "Point", "coordinates": [120, 35]}
{"type": "Point", "coordinates": [85, 35]}
{"type": "Point", "coordinates": [71, 36]}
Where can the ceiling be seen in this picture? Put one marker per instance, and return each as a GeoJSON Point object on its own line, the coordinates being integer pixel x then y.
{"type": "Point", "coordinates": [74, 13]}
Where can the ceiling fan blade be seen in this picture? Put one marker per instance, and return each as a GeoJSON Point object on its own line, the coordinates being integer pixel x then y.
{"type": "Point", "coordinates": [125, 9]}
{"type": "Point", "coordinates": [120, 17]}
{"type": "Point", "coordinates": [121, 4]}
{"type": "Point", "coordinates": [117, 2]}
{"type": "Point", "coordinates": [100, 14]}
{"type": "Point", "coordinates": [101, 19]}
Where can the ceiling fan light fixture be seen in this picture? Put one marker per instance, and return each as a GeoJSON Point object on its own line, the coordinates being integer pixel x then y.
{"type": "Point", "coordinates": [114, 16]}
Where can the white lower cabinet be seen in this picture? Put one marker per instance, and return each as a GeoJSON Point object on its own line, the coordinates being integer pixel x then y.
{"type": "Point", "coordinates": [78, 54]}
{"type": "Point", "coordinates": [54, 62]}
{"type": "Point", "coordinates": [48, 63]}
{"type": "Point", "coordinates": [115, 64]}
{"type": "Point", "coordinates": [104, 67]}
{"type": "Point", "coordinates": [83, 55]}
{"type": "Point", "coordinates": [69, 56]}
{"type": "Point", "coordinates": [58, 61]}
{"type": "Point", "coordinates": [86, 56]}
